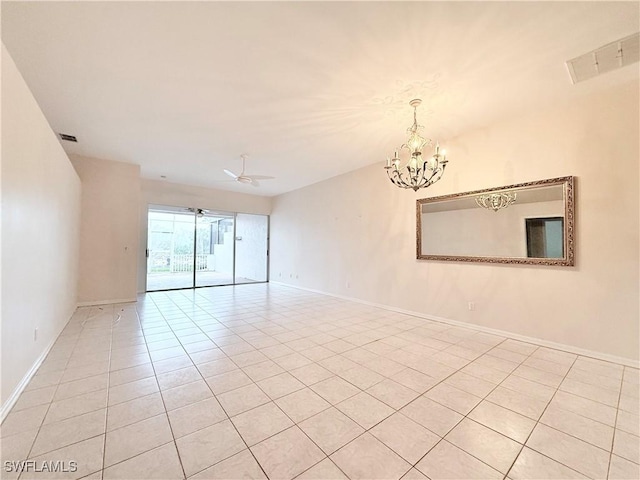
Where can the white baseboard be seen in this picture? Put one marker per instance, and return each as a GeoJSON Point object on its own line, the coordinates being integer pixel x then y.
{"type": "Point", "coordinates": [502, 333]}
{"type": "Point", "coordinates": [107, 302]}
{"type": "Point", "coordinates": [13, 398]}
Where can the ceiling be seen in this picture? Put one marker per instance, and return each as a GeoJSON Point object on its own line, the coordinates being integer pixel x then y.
{"type": "Point", "coordinates": [307, 90]}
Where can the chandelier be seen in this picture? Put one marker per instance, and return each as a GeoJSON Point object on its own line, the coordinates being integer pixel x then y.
{"type": "Point", "coordinates": [496, 201]}
{"type": "Point", "coordinates": [418, 171]}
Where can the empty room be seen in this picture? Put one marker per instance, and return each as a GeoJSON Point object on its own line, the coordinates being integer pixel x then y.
{"type": "Point", "coordinates": [320, 240]}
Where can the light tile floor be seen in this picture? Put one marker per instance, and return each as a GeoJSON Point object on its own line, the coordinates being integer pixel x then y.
{"type": "Point", "coordinates": [167, 281]}
{"type": "Point", "coordinates": [264, 381]}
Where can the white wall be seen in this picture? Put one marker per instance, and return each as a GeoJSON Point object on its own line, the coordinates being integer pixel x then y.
{"type": "Point", "coordinates": [359, 229]}
{"type": "Point", "coordinates": [156, 192]}
{"type": "Point", "coordinates": [480, 232]}
{"type": "Point", "coordinates": [109, 230]}
{"type": "Point", "coordinates": [40, 233]}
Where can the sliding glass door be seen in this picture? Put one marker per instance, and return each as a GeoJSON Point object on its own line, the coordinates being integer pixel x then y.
{"type": "Point", "coordinates": [191, 247]}
{"type": "Point", "coordinates": [214, 249]}
{"type": "Point", "coordinates": [170, 249]}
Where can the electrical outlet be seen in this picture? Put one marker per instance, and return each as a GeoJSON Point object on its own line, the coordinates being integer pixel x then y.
{"type": "Point", "coordinates": [472, 306]}
{"type": "Point", "coordinates": [347, 284]}
{"type": "Point", "coordinates": [35, 334]}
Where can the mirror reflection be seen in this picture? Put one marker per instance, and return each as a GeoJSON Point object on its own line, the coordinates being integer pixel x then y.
{"type": "Point", "coordinates": [525, 223]}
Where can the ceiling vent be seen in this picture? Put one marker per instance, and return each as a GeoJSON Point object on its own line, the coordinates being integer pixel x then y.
{"type": "Point", "coordinates": [606, 58]}
{"type": "Point", "coordinates": [68, 138]}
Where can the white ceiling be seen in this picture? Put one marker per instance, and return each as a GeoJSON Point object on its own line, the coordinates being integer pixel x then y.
{"type": "Point", "coordinates": [308, 90]}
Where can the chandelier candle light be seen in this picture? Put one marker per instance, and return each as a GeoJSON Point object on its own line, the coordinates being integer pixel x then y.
{"type": "Point", "coordinates": [418, 172]}
{"type": "Point", "coordinates": [496, 201]}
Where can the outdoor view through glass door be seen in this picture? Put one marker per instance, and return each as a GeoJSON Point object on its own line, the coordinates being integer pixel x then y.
{"type": "Point", "coordinates": [190, 247]}
{"type": "Point", "coordinates": [170, 249]}
{"type": "Point", "coordinates": [214, 249]}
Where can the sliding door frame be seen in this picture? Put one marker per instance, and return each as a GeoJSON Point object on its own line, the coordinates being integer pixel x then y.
{"type": "Point", "coordinates": [195, 243]}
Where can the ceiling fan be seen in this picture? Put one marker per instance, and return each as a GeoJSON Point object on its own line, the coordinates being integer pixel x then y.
{"type": "Point", "coordinates": [200, 212]}
{"type": "Point", "coordinates": [248, 179]}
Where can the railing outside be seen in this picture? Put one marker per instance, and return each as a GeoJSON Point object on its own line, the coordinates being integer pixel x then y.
{"type": "Point", "coordinates": [165, 262]}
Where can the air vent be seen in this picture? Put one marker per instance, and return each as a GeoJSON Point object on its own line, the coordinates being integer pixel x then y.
{"type": "Point", "coordinates": [68, 138]}
{"type": "Point", "coordinates": [606, 58]}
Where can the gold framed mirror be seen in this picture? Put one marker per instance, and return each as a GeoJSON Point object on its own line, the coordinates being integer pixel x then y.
{"type": "Point", "coordinates": [527, 223]}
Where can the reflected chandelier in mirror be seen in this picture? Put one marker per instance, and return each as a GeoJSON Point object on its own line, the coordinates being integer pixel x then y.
{"type": "Point", "coordinates": [527, 223]}
{"type": "Point", "coordinates": [496, 201]}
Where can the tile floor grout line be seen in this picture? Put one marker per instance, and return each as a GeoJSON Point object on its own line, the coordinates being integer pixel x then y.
{"type": "Point", "coordinates": [326, 457]}
{"type": "Point", "coordinates": [106, 417]}
{"type": "Point", "coordinates": [166, 413]}
{"type": "Point", "coordinates": [138, 454]}
{"type": "Point", "coordinates": [615, 423]}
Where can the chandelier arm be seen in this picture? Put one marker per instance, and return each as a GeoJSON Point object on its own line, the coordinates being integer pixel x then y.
{"type": "Point", "coordinates": [426, 181]}
{"type": "Point", "coordinates": [398, 180]}
{"type": "Point", "coordinates": [436, 173]}
{"type": "Point", "coordinates": [398, 176]}
{"type": "Point", "coordinates": [395, 178]}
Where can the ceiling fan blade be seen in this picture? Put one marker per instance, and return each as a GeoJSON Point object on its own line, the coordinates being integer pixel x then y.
{"type": "Point", "coordinates": [260, 177]}
{"type": "Point", "coordinates": [254, 182]}
{"type": "Point", "coordinates": [230, 173]}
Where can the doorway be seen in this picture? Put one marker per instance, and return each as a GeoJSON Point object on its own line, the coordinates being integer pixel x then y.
{"type": "Point", "coordinates": [191, 247]}
{"type": "Point", "coordinates": [545, 237]}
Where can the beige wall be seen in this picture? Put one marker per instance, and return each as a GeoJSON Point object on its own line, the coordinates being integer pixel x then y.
{"type": "Point", "coordinates": [40, 233]}
{"type": "Point", "coordinates": [359, 230]}
{"type": "Point", "coordinates": [173, 194]}
{"type": "Point", "coordinates": [109, 230]}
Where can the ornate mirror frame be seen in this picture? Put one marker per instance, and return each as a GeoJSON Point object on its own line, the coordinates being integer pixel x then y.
{"type": "Point", "coordinates": [568, 260]}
